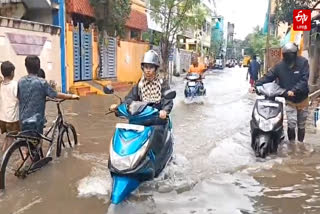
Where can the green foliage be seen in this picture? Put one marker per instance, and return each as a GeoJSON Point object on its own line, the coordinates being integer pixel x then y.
{"type": "Point", "coordinates": [151, 36]}
{"type": "Point", "coordinates": [216, 47]}
{"type": "Point", "coordinates": [255, 43]}
{"type": "Point", "coordinates": [284, 9]}
{"type": "Point", "coordinates": [238, 48]}
{"type": "Point", "coordinates": [175, 17]}
{"type": "Point", "coordinates": [111, 15]}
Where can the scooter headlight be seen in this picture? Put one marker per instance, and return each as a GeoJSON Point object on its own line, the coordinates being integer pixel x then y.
{"type": "Point", "coordinates": [266, 125]}
{"type": "Point", "coordinates": [129, 161]}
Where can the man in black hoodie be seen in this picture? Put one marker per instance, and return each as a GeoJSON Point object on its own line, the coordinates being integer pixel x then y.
{"type": "Point", "coordinates": [254, 70]}
{"type": "Point", "coordinates": [292, 74]}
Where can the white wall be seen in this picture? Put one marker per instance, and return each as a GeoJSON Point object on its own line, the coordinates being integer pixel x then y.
{"type": "Point", "coordinates": [49, 56]}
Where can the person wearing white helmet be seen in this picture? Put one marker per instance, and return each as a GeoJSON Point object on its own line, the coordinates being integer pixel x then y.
{"type": "Point", "coordinates": [292, 74]}
{"type": "Point", "coordinates": [149, 89]}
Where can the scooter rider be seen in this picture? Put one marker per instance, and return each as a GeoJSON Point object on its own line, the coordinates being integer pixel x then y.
{"type": "Point", "coordinates": [149, 89]}
{"type": "Point", "coordinates": [293, 74]}
{"type": "Point", "coordinates": [197, 67]}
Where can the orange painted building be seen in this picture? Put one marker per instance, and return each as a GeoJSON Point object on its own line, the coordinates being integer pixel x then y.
{"type": "Point", "coordinates": [130, 50]}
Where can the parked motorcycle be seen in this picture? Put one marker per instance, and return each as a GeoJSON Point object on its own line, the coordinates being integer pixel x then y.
{"type": "Point", "coordinates": [267, 120]}
{"type": "Point", "coordinates": [138, 150]}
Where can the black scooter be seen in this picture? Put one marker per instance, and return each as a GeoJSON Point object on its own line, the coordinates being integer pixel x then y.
{"type": "Point", "coordinates": [267, 120]}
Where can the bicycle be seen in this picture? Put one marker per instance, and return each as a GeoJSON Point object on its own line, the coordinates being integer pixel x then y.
{"type": "Point", "coordinates": [28, 145]}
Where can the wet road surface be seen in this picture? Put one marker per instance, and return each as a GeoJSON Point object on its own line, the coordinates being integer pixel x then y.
{"type": "Point", "coordinates": [213, 171]}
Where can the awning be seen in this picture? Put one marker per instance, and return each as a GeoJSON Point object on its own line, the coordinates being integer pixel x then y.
{"type": "Point", "coordinates": [137, 20]}
{"type": "Point", "coordinates": [82, 7]}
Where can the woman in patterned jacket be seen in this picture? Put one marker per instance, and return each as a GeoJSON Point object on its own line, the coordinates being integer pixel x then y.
{"type": "Point", "coordinates": [149, 89]}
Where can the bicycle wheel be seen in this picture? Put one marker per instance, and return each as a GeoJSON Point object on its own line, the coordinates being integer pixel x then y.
{"type": "Point", "coordinates": [67, 138]}
{"type": "Point", "coordinates": [15, 163]}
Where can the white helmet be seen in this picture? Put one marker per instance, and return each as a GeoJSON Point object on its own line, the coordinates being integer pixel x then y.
{"type": "Point", "coordinates": [151, 57]}
{"type": "Point", "coordinates": [290, 47]}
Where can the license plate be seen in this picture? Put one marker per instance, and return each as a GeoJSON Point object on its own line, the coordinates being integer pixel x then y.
{"type": "Point", "coordinates": [191, 84]}
{"type": "Point", "coordinates": [130, 127]}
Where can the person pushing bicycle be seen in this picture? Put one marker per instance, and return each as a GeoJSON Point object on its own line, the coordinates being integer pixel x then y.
{"type": "Point", "coordinates": [32, 94]}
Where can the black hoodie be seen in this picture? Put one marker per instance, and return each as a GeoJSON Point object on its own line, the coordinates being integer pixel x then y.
{"type": "Point", "coordinates": [295, 79]}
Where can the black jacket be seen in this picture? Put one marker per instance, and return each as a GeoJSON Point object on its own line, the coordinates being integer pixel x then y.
{"type": "Point", "coordinates": [134, 95]}
{"type": "Point", "coordinates": [295, 79]}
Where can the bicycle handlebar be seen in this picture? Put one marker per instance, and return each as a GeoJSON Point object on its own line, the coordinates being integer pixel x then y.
{"type": "Point", "coordinates": [55, 100]}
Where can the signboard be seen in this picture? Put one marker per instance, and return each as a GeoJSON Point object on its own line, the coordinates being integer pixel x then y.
{"type": "Point", "coordinates": [302, 20]}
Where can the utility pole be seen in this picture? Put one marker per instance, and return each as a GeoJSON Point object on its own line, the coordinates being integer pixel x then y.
{"type": "Point", "coordinates": [268, 38]}
{"type": "Point", "coordinates": [62, 24]}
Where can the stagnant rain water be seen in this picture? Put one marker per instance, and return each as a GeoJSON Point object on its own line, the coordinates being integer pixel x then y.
{"type": "Point", "coordinates": [214, 169]}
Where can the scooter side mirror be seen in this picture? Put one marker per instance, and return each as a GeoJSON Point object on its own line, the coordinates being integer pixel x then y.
{"type": "Point", "coordinates": [170, 94]}
{"type": "Point", "coordinates": [108, 89]}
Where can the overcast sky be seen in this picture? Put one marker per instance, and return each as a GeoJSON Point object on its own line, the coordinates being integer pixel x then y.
{"type": "Point", "coordinates": [245, 14]}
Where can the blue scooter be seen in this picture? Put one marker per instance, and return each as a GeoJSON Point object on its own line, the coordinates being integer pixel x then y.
{"type": "Point", "coordinates": [139, 150]}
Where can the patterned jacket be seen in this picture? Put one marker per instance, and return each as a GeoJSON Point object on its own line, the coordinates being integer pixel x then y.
{"type": "Point", "coordinates": [134, 95]}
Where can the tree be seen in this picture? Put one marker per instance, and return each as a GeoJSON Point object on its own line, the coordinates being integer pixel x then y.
{"type": "Point", "coordinates": [255, 43]}
{"type": "Point", "coordinates": [238, 48]}
{"type": "Point", "coordinates": [111, 15]}
{"type": "Point", "coordinates": [151, 36]}
{"type": "Point", "coordinates": [174, 17]}
{"type": "Point", "coordinates": [284, 9]}
{"type": "Point", "coordinates": [216, 47]}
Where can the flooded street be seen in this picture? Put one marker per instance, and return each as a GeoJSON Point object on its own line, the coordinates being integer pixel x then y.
{"type": "Point", "coordinates": [214, 169]}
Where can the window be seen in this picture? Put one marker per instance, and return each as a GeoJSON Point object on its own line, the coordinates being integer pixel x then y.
{"type": "Point", "coordinates": [135, 34]}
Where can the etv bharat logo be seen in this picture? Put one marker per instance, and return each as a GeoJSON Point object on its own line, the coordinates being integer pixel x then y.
{"type": "Point", "coordinates": [302, 20]}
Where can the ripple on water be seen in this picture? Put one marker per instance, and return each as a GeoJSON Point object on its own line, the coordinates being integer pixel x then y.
{"type": "Point", "coordinates": [231, 153]}
{"type": "Point", "coordinates": [98, 183]}
{"type": "Point", "coordinates": [94, 185]}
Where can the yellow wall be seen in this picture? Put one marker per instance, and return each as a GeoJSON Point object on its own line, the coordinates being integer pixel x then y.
{"type": "Point", "coordinates": [139, 5]}
{"type": "Point", "coordinates": [129, 56]}
{"type": "Point", "coordinates": [95, 56]}
{"type": "Point", "coordinates": [70, 59]}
